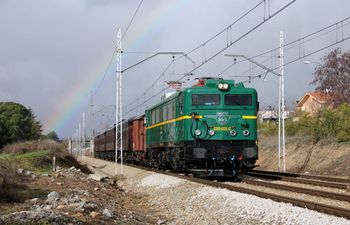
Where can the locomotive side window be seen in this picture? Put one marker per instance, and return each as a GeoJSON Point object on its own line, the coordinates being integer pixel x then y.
{"type": "Point", "coordinates": [153, 117]}
{"type": "Point", "coordinates": [157, 116]}
{"type": "Point", "coordinates": [170, 111]}
{"type": "Point", "coordinates": [165, 112]}
{"type": "Point", "coordinates": [205, 99]}
{"type": "Point", "coordinates": [238, 99]}
{"type": "Point", "coordinates": [173, 112]}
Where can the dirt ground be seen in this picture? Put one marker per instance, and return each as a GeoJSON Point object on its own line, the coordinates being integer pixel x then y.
{"type": "Point", "coordinates": [303, 155]}
{"type": "Point", "coordinates": [126, 207]}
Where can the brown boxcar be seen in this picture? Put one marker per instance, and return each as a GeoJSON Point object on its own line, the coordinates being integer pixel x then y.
{"type": "Point", "coordinates": [138, 131]}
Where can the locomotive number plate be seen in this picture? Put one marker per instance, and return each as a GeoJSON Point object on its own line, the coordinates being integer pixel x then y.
{"type": "Point", "coordinates": [221, 129]}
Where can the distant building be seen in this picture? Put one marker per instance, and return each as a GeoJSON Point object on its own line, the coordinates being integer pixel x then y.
{"type": "Point", "coordinates": [267, 115]}
{"type": "Point", "coordinates": [312, 102]}
{"type": "Point", "coordinates": [271, 115]}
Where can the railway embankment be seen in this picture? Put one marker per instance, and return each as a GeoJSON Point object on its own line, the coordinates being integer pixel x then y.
{"type": "Point", "coordinates": [31, 193]}
{"type": "Point", "coordinates": [305, 156]}
{"type": "Point", "coordinates": [181, 201]}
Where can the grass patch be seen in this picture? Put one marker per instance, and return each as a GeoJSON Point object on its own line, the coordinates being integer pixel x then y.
{"type": "Point", "coordinates": [34, 161]}
{"type": "Point", "coordinates": [35, 156]}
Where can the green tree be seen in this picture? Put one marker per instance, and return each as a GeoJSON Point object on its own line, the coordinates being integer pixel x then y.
{"type": "Point", "coordinates": [17, 123]}
{"type": "Point", "coordinates": [52, 136]}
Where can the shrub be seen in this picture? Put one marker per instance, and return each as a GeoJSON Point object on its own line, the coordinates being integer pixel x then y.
{"type": "Point", "coordinates": [8, 182]}
{"type": "Point", "coordinates": [326, 124]}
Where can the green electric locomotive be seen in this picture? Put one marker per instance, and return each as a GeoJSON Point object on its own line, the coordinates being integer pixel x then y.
{"type": "Point", "coordinates": [209, 129]}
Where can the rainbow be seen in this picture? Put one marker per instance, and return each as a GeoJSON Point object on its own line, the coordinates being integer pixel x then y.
{"type": "Point", "coordinates": [70, 105]}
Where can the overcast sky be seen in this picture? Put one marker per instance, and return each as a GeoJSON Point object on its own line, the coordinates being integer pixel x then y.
{"type": "Point", "coordinates": [54, 53]}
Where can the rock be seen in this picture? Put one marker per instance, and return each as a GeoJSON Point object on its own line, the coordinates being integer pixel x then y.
{"type": "Point", "coordinates": [33, 217]}
{"type": "Point", "coordinates": [94, 214]}
{"type": "Point", "coordinates": [34, 200]}
{"type": "Point", "coordinates": [78, 214]}
{"type": "Point", "coordinates": [53, 196]}
{"type": "Point", "coordinates": [96, 189]}
{"type": "Point", "coordinates": [75, 206]}
{"type": "Point", "coordinates": [160, 222]}
{"type": "Point", "coordinates": [47, 207]}
{"type": "Point", "coordinates": [28, 172]}
{"type": "Point", "coordinates": [20, 171]}
{"type": "Point", "coordinates": [107, 213]}
{"type": "Point", "coordinates": [45, 175]}
{"type": "Point", "coordinates": [88, 207]}
{"type": "Point", "coordinates": [74, 199]}
{"type": "Point", "coordinates": [59, 184]}
{"type": "Point", "coordinates": [97, 177]}
{"type": "Point", "coordinates": [72, 168]}
{"type": "Point", "coordinates": [60, 207]}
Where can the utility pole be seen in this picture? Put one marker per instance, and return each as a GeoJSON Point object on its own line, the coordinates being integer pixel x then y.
{"type": "Point", "coordinates": [282, 105]}
{"type": "Point", "coordinates": [118, 106]}
{"type": "Point", "coordinates": [83, 136]}
{"type": "Point", "coordinates": [79, 139]}
{"type": "Point", "coordinates": [91, 122]}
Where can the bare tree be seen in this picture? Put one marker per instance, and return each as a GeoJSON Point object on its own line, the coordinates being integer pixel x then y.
{"type": "Point", "coordinates": [333, 76]}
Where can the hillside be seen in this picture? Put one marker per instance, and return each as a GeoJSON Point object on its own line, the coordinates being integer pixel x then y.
{"type": "Point", "coordinates": [302, 155]}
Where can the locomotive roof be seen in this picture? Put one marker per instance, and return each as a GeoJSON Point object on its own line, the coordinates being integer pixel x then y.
{"type": "Point", "coordinates": [207, 84]}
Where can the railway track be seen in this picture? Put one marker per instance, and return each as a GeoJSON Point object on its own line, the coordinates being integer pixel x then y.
{"type": "Point", "coordinates": [328, 209]}
{"type": "Point", "coordinates": [300, 178]}
{"type": "Point", "coordinates": [306, 176]}
{"type": "Point", "coordinates": [319, 193]}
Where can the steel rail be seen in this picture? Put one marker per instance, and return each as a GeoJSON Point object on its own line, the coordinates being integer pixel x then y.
{"type": "Point", "coordinates": [319, 193]}
{"type": "Point", "coordinates": [307, 176]}
{"type": "Point", "coordinates": [300, 180]}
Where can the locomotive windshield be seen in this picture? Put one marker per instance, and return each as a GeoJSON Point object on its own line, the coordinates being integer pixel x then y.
{"type": "Point", "coordinates": [238, 99]}
{"type": "Point", "coordinates": [205, 99]}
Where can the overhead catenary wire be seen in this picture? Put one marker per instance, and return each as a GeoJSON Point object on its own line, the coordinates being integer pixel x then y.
{"type": "Point", "coordinates": [198, 47]}
{"type": "Point", "coordinates": [132, 19]}
{"type": "Point", "coordinates": [113, 55]}
{"type": "Point", "coordinates": [296, 43]}
{"type": "Point", "coordinates": [297, 59]}
{"type": "Point", "coordinates": [225, 48]}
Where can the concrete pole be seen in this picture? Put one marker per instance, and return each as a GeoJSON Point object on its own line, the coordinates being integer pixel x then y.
{"type": "Point", "coordinates": [282, 100]}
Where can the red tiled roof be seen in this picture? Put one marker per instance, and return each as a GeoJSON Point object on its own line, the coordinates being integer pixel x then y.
{"type": "Point", "coordinates": [321, 97]}
{"type": "Point", "coordinates": [318, 96]}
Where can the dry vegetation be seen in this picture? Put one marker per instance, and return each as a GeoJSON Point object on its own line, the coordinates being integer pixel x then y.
{"type": "Point", "coordinates": [35, 156]}
{"type": "Point", "coordinates": [8, 182]}
{"type": "Point", "coordinates": [303, 154]}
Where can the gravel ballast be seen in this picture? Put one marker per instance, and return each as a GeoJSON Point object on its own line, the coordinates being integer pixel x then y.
{"type": "Point", "coordinates": [184, 202]}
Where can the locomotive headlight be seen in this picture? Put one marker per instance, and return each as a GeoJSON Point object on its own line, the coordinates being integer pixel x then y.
{"type": "Point", "coordinates": [233, 133]}
{"type": "Point", "coordinates": [211, 132]}
{"type": "Point", "coordinates": [197, 132]}
{"type": "Point", "coordinates": [223, 86]}
{"type": "Point", "coordinates": [246, 132]}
